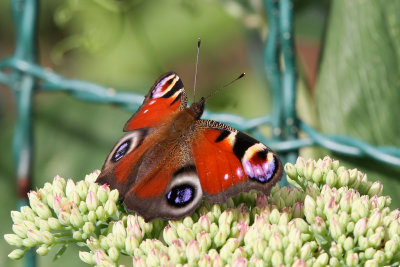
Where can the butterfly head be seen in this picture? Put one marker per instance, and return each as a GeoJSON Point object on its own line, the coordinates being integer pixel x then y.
{"type": "Point", "coordinates": [197, 108]}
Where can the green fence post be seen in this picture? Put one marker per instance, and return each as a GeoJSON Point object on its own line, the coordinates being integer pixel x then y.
{"type": "Point", "coordinates": [23, 84]}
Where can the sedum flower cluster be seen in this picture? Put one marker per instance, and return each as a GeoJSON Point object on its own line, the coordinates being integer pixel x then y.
{"type": "Point", "coordinates": [332, 216]}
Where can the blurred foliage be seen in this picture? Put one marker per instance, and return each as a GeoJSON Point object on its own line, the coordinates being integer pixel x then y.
{"type": "Point", "coordinates": [127, 44]}
{"type": "Point", "coordinates": [359, 80]}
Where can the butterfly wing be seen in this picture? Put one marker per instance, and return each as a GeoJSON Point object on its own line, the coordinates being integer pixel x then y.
{"type": "Point", "coordinates": [126, 160]}
{"type": "Point", "coordinates": [171, 191]}
{"type": "Point", "coordinates": [167, 96]}
{"type": "Point", "coordinates": [229, 162]}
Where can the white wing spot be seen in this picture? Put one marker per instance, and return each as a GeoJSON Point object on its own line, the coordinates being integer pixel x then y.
{"type": "Point", "coordinates": [226, 177]}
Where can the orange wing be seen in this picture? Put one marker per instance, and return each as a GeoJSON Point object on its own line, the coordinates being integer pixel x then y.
{"type": "Point", "coordinates": [166, 97]}
{"type": "Point", "coordinates": [229, 162]}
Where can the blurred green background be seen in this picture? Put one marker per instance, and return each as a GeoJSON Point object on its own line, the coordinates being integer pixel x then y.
{"type": "Point", "coordinates": [348, 56]}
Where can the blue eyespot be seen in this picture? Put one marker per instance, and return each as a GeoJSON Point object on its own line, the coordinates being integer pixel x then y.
{"type": "Point", "coordinates": [121, 151]}
{"type": "Point", "coordinates": [181, 195]}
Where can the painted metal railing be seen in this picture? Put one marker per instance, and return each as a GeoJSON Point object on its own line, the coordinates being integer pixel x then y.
{"type": "Point", "coordinates": [25, 77]}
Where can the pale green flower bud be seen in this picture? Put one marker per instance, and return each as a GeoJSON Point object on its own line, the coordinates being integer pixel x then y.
{"type": "Point", "coordinates": [379, 256]}
{"type": "Point", "coordinates": [43, 250]}
{"type": "Point", "coordinates": [57, 204]}
{"type": "Point", "coordinates": [363, 242]}
{"type": "Point", "coordinates": [259, 247]}
{"type": "Point", "coordinates": [369, 253]}
{"type": "Point", "coordinates": [346, 202]}
{"type": "Point", "coordinates": [188, 222]}
{"type": "Point", "coordinates": [240, 262]}
{"type": "Point", "coordinates": [13, 240]}
{"type": "Point", "coordinates": [100, 213]}
{"type": "Point", "coordinates": [16, 254]}
{"type": "Point", "coordinates": [34, 235]}
{"type": "Point", "coordinates": [146, 227]}
{"type": "Point", "coordinates": [275, 242]}
{"type": "Point", "coordinates": [131, 243]}
{"type": "Point", "coordinates": [277, 258]}
{"type": "Point", "coordinates": [169, 234]}
{"type": "Point", "coordinates": [114, 195]}
{"type": "Point", "coordinates": [299, 263]}
{"type": "Point", "coordinates": [204, 240]}
{"type": "Point", "coordinates": [291, 171]}
{"type": "Point", "coordinates": [87, 257]}
{"type": "Point", "coordinates": [348, 244]}
{"type": "Point", "coordinates": [300, 164]}
{"type": "Point", "coordinates": [88, 228]}
{"type": "Point", "coordinates": [101, 258]}
{"type": "Point", "coordinates": [375, 220]}
{"type": "Point", "coordinates": [298, 208]}
{"type": "Point", "coordinates": [392, 246]}
{"type": "Point", "coordinates": [70, 189]}
{"type": "Point", "coordinates": [92, 217]}
{"type": "Point", "coordinates": [336, 250]}
{"type": "Point", "coordinates": [226, 217]}
{"type": "Point", "coordinates": [371, 263]}
{"type": "Point", "coordinates": [353, 176]}
{"type": "Point", "coordinates": [113, 253]}
{"type": "Point", "coordinates": [205, 223]}
{"type": "Point", "coordinates": [375, 189]}
{"type": "Point", "coordinates": [28, 243]}
{"type": "Point", "coordinates": [110, 207]}
{"type": "Point", "coordinates": [139, 262]}
{"type": "Point", "coordinates": [300, 224]}
{"type": "Point", "coordinates": [274, 216]}
{"type": "Point", "coordinates": [344, 178]}
{"type": "Point", "coordinates": [309, 209]}
{"type": "Point", "coordinates": [63, 218]}
{"type": "Point", "coordinates": [352, 259]}
{"type": "Point", "coordinates": [102, 193]}
{"type": "Point", "coordinates": [221, 236]}
{"type": "Point", "coordinates": [176, 251]}
{"type": "Point", "coordinates": [93, 243]}
{"type": "Point", "coordinates": [76, 218]}
{"type": "Point", "coordinates": [205, 261]}
{"type": "Point", "coordinates": [322, 259]}
{"type": "Point", "coordinates": [17, 216]}
{"type": "Point", "coordinates": [213, 229]}
{"type": "Point", "coordinates": [309, 169]}
{"type": "Point", "coordinates": [47, 237]}
{"type": "Point", "coordinates": [361, 227]}
{"type": "Point", "coordinates": [77, 235]}
{"type": "Point", "coordinates": [394, 229]}
{"type": "Point", "coordinates": [34, 198]}
{"type": "Point", "coordinates": [193, 251]}
{"type": "Point", "coordinates": [82, 189]}
{"type": "Point", "coordinates": [91, 201]}
{"type": "Point", "coordinates": [319, 226]}
{"type": "Point", "coordinates": [317, 176]}
{"type": "Point", "coordinates": [331, 178]}
{"type": "Point", "coordinates": [28, 213]}
{"type": "Point", "coordinates": [186, 234]}
{"type": "Point", "coordinates": [118, 228]}
{"type": "Point", "coordinates": [375, 240]}
{"type": "Point", "coordinates": [305, 251]}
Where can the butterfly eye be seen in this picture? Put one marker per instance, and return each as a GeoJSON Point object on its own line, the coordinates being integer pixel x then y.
{"type": "Point", "coordinates": [181, 195]}
{"type": "Point", "coordinates": [121, 151]}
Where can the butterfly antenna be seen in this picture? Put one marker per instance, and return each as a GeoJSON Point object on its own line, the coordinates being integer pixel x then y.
{"type": "Point", "coordinates": [195, 73]}
{"type": "Point", "coordinates": [226, 85]}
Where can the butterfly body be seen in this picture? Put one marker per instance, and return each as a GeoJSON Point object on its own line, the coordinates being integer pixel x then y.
{"type": "Point", "coordinates": [170, 159]}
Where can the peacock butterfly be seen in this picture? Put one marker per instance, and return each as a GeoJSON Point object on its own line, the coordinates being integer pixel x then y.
{"type": "Point", "coordinates": [170, 159]}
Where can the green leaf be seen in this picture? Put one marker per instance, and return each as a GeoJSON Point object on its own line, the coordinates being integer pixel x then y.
{"type": "Point", "coordinates": [358, 85]}
{"type": "Point", "coordinates": [60, 252]}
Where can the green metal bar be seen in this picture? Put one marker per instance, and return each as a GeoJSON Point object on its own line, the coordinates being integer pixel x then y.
{"type": "Point", "coordinates": [272, 65]}
{"type": "Point", "coordinates": [23, 84]}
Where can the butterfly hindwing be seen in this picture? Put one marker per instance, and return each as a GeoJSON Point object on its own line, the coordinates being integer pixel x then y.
{"type": "Point", "coordinates": [229, 161]}
{"type": "Point", "coordinates": [171, 191]}
{"type": "Point", "coordinates": [167, 96]}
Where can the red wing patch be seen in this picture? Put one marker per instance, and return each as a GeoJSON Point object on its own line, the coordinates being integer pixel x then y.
{"type": "Point", "coordinates": [217, 166]}
{"type": "Point", "coordinates": [166, 97]}
{"type": "Point", "coordinates": [154, 185]}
